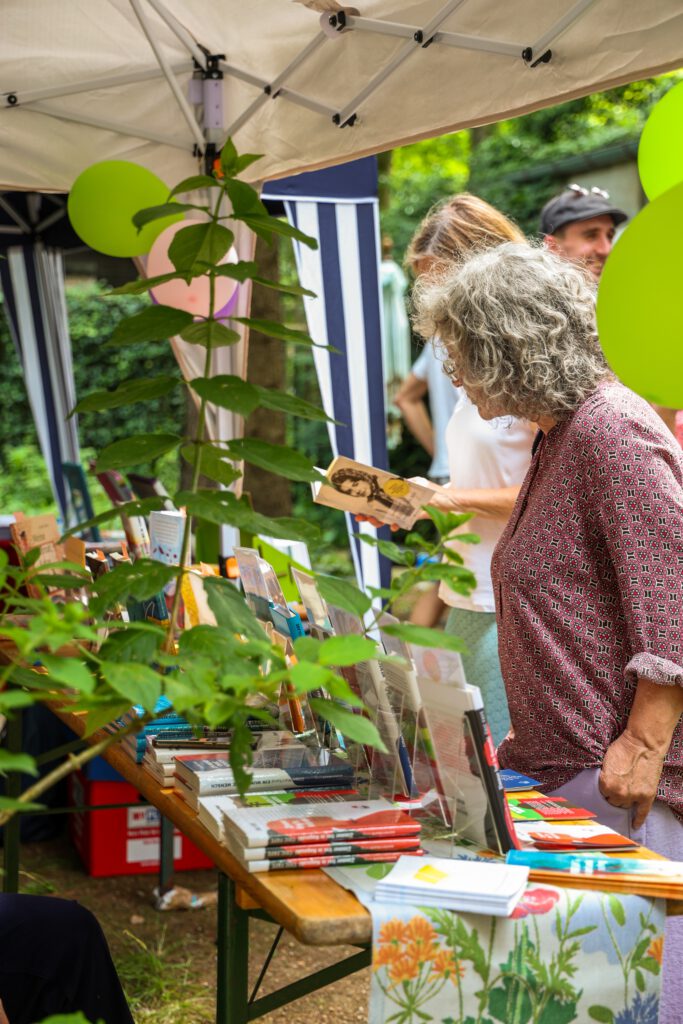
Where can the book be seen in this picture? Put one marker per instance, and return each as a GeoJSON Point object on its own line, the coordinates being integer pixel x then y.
{"type": "Point", "coordinates": [134, 527]}
{"type": "Point", "coordinates": [596, 870]}
{"type": "Point", "coordinates": [312, 599]}
{"type": "Point", "coordinates": [514, 781]}
{"type": "Point", "coordinates": [390, 844]}
{"type": "Point", "coordinates": [591, 836]}
{"type": "Point", "coordinates": [545, 808]}
{"type": "Point", "coordinates": [303, 863]}
{"type": "Point", "coordinates": [313, 818]}
{"type": "Point", "coordinates": [277, 768]}
{"type": "Point", "coordinates": [468, 886]}
{"type": "Point", "coordinates": [467, 767]}
{"type": "Point", "coordinates": [353, 487]}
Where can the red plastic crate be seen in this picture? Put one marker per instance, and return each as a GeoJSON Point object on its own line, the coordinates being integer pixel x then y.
{"type": "Point", "coordinates": [124, 840]}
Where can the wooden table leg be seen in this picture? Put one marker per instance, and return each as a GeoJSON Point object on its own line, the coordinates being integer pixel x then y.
{"type": "Point", "coordinates": [165, 855]}
{"type": "Point", "coordinates": [233, 956]}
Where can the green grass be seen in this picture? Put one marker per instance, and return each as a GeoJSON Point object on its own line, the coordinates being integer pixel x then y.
{"type": "Point", "coordinates": [158, 984]}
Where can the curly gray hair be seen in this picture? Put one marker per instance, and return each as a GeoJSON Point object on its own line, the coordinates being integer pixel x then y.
{"type": "Point", "coordinates": [517, 326]}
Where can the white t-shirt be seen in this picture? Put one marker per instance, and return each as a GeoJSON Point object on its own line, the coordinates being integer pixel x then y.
{"type": "Point", "coordinates": [483, 453]}
{"type": "Point", "coordinates": [443, 398]}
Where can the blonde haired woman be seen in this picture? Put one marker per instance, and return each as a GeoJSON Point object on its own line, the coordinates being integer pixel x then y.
{"type": "Point", "coordinates": [487, 460]}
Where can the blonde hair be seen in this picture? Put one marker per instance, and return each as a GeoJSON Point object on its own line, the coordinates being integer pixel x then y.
{"type": "Point", "coordinates": [517, 324]}
{"type": "Point", "coordinates": [456, 226]}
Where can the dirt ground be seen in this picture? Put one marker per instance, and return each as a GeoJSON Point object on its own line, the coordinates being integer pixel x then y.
{"type": "Point", "coordinates": [168, 960]}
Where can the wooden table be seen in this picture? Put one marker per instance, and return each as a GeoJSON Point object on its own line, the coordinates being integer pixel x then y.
{"type": "Point", "coordinates": [308, 904]}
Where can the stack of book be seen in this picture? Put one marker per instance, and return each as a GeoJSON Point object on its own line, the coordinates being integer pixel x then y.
{"type": "Point", "coordinates": [292, 766]}
{"type": "Point", "coordinates": [167, 721]}
{"type": "Point", "coordinates": [595, 870]}
{"type": "Point", "coordinates": [462, 885]}
{"type": "Point", "coordinates": [292, 830]}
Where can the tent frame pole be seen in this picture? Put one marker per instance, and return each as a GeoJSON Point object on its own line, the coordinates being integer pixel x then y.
{"type": "Point", "coordinates": [184, 106]}
{"type": "Point", "coordinates": [111, 126]}
{"type": "Point", "coordinates": [561, 25]}
{"type": "Point", "coordinates": [421, 38]}
{"type": "Point", "coordinates": [181, 34]}
{"type": "Point", "coordinates": [52, 92]}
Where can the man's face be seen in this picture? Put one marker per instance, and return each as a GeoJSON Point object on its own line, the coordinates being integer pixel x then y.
{"type": "Point", "coordinates": [586, 242]}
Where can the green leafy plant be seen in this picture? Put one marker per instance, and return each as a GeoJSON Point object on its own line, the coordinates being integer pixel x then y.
{"type": "Point", "coordinates": [210, 674]}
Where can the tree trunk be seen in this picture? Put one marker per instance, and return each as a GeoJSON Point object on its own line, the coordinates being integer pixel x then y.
{"type": "Point", "coordinates": [270, 494]}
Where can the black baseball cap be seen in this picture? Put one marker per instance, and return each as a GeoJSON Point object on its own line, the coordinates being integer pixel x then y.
{"type": "Point", "coordinates": [578, 203]}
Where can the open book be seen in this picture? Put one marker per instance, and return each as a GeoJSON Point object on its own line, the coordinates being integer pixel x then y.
{"type": "Point", "coordinates": [365, 490]}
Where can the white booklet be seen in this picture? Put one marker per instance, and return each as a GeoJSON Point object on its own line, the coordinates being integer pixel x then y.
{"type": "Point", "coordinates": [365, 490]}
{"type": "Point", "coordinates": [470, 886]}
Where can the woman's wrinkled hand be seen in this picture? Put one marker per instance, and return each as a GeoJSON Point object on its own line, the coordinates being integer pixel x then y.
{"type": "Point", "coordinates": [630, 775]}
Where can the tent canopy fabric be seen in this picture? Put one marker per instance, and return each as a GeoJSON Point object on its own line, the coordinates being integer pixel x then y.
{"type": "Point", "coordinates": [86, 80]}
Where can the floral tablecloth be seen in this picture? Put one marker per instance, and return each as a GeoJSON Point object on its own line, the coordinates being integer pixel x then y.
{"type": "Point", "coordinates": [564, 955]}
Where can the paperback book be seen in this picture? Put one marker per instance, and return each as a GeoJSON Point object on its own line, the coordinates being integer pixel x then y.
{"type": "Point", "coordinates": [545, 808]}
{"type": "Point", "coordinates": [552, 836]}
{"type": "Point", "coordinates": [301, 863]}
{"type": "Point", "coordinates": [597, 870]}
{"type": "Point", "coordinates": [467, 886]}
{"type": "Point", "coordinates": [365, 490]}
{"type": "Point", "coordinates": [292, 767]}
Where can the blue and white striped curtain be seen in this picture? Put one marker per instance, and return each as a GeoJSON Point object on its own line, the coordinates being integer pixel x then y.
{"type": "Point", "coordinates": [339, 207]}
{"type": "Point", "coordinates": [32, 279]}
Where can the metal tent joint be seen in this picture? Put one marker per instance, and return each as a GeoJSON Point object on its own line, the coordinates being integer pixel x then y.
{"type": "Point", "coordinates": [528, 57]}
{"type": "Point", "coordinates": [11, 99]}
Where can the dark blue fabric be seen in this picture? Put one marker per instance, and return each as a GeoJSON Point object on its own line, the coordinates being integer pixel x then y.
{"type": "Point", "coordinates": [356, 179]}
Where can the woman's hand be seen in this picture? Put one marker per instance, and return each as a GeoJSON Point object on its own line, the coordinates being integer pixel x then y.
{"type": "Point", "coordinates": [630, 775]}
{"type": "Point", "coordinates": [3, 1015]}
{"type": "Point", "coordinates": [373, 522]}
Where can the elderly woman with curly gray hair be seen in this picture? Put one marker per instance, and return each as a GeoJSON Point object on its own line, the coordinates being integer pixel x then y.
{"type": "Point", "coordinates": [588, 574]}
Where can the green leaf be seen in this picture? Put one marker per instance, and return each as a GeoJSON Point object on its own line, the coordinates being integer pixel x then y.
{"type": "Point", "coordinates": [136, 449]}
{"type": "Point", "coordinates": [306, 648]}
{"type": "Point", "coordinates": [138, 683]}
{"type": "Point", "coordinates": [127, 393]}
{"type": "Point", "coordinates": [245, 160]}
{"type": "Point", "coordinates": [346, 650]}
{"type": "Point", "coordinates": [133, 643]}
{"type": "Point", "coordinates": [229, 392]}
{"type": "Point", "coordinates": [245, 200]}
{"type": "Point", "coordinates": [275, 458]}
{"type": "Point", "coordinates": [68, 1018]}
{"type": "Point", "coordinates": [617, 908]}
{"type": "Point", "coordinates": [355, 727]}
{"type": "Point", "coordinates": [272, 329]}
{"type": "Point", "coordinates": [196, 181]}
{"type": "Point", "coordinates": [423, 636]}
{"type": "Point", "coordinates": [266, 227]}
{"type": "Point", "coordinates": [11, 699]}
{"type": "Point", "coordinates": [210, 332]}
{"type": "Point", "coordinates": [102, 714]}
{"type": "Point", "coordinates": [243, 270]}
{"type": "Point", "coordinates": [270, 398]}
{"type": "Point", "coordinates": [212, 463]}
{"type": "Point", "coordinates": [151, 213]}
{"type": "Point", "coordinates": [230, 608]}
{"type": "Point", "coordinates": [8, 804]}
{"type": "Point", "coordinates": [601, 1013]}
{"type": "Point", "coordinates": [224, 507]}
{"type": "Point", "coordinates": [70, 672]}
{"type": "Point", "coordinates": [640, 981]}
{"type": "Point", "coordinates": [129, 508]}
{"type": "Point", "coordinates": [17, 763]}
{"type": "Point", "coordinates": [228, 158]}
{"type": "Point", "coordinates": [201, 243]}
{"type": "Point", "coordinates": [649, 963]}
{"type": "Point", "coordinates": [305, 676]}
{"type": "Point", "coordinates": [140, 580]}
{"type": "Point", "coordinates": [447, 522]}
{"type": "Point", "coordinates": [288, 289]}
{"type": "Point", "coordinates": [343, 594]}
{"type": "Point", "coordinates": [156, 323]}
{"type": "Point", "coordinates": [143, 284]}
{"type": "Point", "coordinates": [392, 551]}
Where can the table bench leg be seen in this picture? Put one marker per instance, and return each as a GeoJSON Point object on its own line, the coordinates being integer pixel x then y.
{"type": "Point", "coordinates": [233, 956]}
{"type": "Point", "coordinates": [166, 855]}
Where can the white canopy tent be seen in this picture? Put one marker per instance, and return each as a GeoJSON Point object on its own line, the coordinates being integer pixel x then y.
{"type": "Point", "coordinates": [154, 81]}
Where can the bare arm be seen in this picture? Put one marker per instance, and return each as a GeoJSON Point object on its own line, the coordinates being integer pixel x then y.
{"type": "Point", "coordinates": [489, 502]}
{"type": "Point", "coordinates": [633, 763]}
{"type": "Point", "coordinates": [410, 400]}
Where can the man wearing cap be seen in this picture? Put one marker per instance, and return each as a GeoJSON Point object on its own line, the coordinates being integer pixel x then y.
{"type": "Point", "coordinates": [580, 225]}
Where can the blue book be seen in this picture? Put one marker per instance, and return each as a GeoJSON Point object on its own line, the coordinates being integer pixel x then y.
{"type": "Point", "coordinates": [286, 621]}
{"type": "Point", "coordinates": [514, 781]}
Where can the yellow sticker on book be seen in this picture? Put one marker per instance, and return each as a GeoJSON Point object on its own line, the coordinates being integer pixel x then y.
{"type": "Point", "coordinates": [428, 873]}
{"type": "Point", "coordinates": [396, 488]}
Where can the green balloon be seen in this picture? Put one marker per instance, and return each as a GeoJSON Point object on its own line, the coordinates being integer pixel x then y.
{"type": "Point", "coordinates": [640, 317]}
{"type": "Point", "coordinates": [660, 151]}
{"type": "Point", "coordinates": [102, 202]}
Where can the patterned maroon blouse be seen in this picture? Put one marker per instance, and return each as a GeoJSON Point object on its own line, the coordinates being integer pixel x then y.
{"type": "Point", "coordinates": [588, 579]}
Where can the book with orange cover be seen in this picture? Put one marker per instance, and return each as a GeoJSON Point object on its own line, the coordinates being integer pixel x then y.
{"type": "Point", "coordinates": [576, 836]}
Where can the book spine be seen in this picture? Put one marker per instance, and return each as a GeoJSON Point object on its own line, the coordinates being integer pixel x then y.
{"type": "Point", "coordinates": [324, 835]}
{"type": "Point", "coordinates": [359, 848]}
{"type": "Point", "coordinates": [298, 863]}
{"type": "Point", "coordinates": [487, 760]}
{"type": "Point", "coordinates": [204, 785]}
